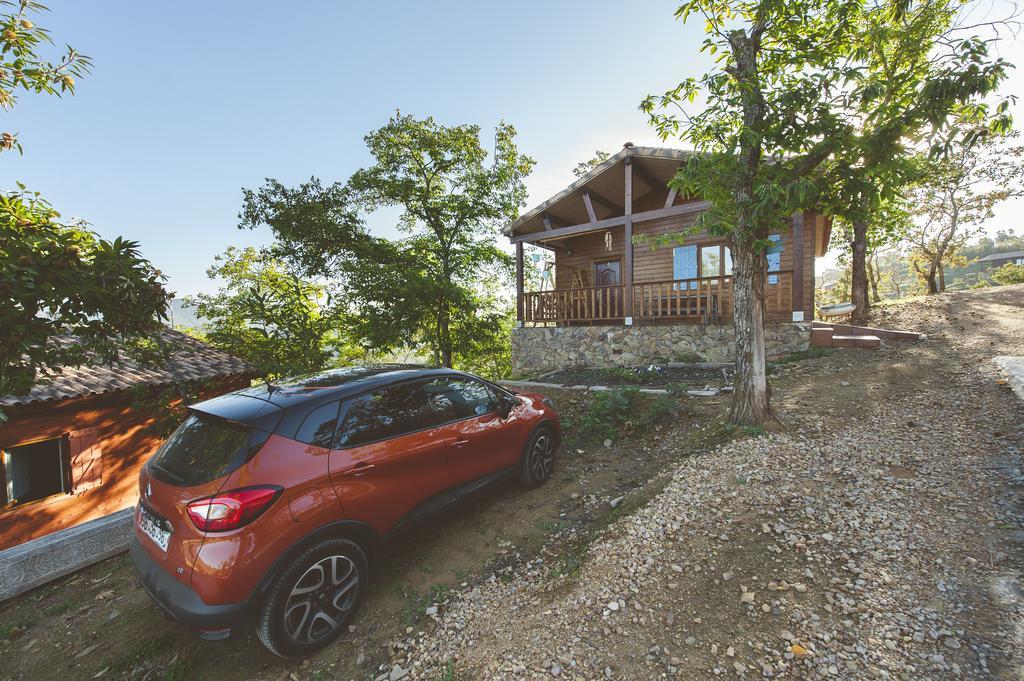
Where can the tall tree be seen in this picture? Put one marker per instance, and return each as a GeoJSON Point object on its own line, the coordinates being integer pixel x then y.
{"type": "Point", "coordinates": [22, 67]}
{"type": "Point", "coordinates": [917, 64]}
{"type": "Point", "coordinates": [769, 122]}
{"type": "Point", "coordinates": [958, 196]}
{"type": "Point", "coordinates": [424, 288]}
{"type": "Point", "coordinates": [267, 314]}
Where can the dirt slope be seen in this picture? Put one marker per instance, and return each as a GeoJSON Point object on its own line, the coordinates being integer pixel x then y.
{"type": "Point", "coordinates": [879, 537]}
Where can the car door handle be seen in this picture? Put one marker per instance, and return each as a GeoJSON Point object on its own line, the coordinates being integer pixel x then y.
{"type": "Point", "coordinates": [461, 442]}
{"type": "Point", "coordinates": [359, 470]}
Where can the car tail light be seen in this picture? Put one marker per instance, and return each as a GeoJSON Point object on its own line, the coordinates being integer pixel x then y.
{"type": "Point", "coordinates": [231, 510]}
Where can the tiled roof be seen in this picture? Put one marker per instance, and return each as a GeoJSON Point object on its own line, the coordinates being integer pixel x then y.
{"type": "Point", "coordinates": [192, 360]}
{"type": "Point", "coordinates": [1008, 255]}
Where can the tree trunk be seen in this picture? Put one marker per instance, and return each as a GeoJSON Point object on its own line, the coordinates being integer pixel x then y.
{"type": "Point", "coordinates": [942, 278]}
{"type": "Point", "coordinates": [858, 272]}
{"type": "Point", "coordinates": [751, 398]}
{"type": "Point", "coordinates": [873, 278]}
{"type": "Point", "coordinates": [932, 285]}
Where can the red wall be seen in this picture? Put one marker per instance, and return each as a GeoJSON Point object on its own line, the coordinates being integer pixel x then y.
{"type": "Point", "coordinates": [126, 443]}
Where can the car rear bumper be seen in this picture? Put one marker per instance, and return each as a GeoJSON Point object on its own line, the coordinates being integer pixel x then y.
{"type": "Point", "coordinates": [183, 605]}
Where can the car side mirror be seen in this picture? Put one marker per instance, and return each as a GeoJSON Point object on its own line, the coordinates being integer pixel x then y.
{"type": "Point", "coordinates": [505, 406]}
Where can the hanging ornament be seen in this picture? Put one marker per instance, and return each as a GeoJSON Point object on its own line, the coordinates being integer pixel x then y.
{"type": "Point", "coordinates": [608, 241]}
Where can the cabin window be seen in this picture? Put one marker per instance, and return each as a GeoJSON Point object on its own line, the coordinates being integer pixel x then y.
{"type": "Point", "coordinates": [684, 264]}
{"type": "Point", "coordinates": [715, 261]}
{"type": "Point", "coordinates": [35, 471]}
{"type": "Point", "coordinates": [774, 255]}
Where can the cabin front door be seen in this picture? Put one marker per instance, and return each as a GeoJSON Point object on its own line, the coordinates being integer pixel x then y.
{"type": "Point", "coordinates": [608, 280]}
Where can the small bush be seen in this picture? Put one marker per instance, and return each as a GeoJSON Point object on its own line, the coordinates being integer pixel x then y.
{"type": "Point", "coordinates": [1009, 274]}
{"type": "Point", "coordinates": [612, 414]}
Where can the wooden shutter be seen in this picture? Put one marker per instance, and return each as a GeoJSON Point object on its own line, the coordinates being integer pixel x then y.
{"type": "Point", "coordinates": [86, 458]}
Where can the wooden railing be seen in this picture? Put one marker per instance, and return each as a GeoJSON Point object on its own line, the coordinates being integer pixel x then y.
{"type": "Point", "coordinates": [707, 299]}
{"type": "Point", "coordinates": [596, 303]}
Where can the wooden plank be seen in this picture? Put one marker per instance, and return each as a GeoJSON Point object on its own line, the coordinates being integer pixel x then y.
{"type": "Point", "coordinates": [628, 240]}
{"type": "Point", "coordinates": [671, 197]}
{"type": "Point", "coordinates": [797, 283]}
{"type": "Point", "coordinates": [558, 232]}
{"type": "Point", "coordinates": [590, 206]}
{"type": "Point", "coordinates": [603, 200]}
{"type": "Point", "coordinates": [519, 282]}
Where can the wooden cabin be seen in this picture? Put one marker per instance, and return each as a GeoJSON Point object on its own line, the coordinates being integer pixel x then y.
{"type": "Point", "coordinates": [594, 275]}
{"type": "Point", "coordinates": [71, 449]}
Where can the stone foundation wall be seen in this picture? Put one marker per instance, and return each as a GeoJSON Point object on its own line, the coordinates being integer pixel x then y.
{"type": "Point", "coordinates": [538, 349]}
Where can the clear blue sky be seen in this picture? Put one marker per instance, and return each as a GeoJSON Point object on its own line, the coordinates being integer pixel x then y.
{"type": "Point", "coordinates": [189, 102]}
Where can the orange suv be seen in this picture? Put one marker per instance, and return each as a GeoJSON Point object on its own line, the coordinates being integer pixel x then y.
{"type": "Point", "coordinates": [266, 503]}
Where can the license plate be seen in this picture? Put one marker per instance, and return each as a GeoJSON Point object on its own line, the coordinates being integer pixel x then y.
{"type": "Point", "coordinates": [153, 528]}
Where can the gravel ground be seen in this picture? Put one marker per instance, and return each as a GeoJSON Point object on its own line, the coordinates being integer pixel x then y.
{"type": "Point", "coordinates": [880, 541]}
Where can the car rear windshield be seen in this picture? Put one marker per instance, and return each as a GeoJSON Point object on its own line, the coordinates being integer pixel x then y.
{"type": "Point", "coordinates": [205, 448]}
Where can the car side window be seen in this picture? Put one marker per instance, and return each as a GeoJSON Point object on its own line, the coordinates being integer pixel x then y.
{"type": "Point", "coordinates": [318, 426]}
{"type": "Point", "coordinates": [383, 414]}
{"type": "Point", "coordinates": [453, 398]}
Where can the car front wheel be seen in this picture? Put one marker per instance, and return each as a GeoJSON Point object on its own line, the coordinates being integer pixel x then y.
{"type": "Point", "coordinates": [312, 600]}
{"type": "Point", "coordinates": [539, 458]}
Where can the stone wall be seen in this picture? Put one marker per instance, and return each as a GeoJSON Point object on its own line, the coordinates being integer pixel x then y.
{"type": "Point", "coordinates": [546, 348]}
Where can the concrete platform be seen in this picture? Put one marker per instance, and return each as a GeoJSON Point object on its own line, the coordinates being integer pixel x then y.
{"type": "Point", "coordinates": [42, 560]}
{"type": "Point", "coordinates": [1013, 367]}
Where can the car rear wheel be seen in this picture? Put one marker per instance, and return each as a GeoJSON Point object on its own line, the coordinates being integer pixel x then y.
{"type": "Point", "coordinates": [312, 600]}
{"type": "Point", "coordinates": [539, 458]}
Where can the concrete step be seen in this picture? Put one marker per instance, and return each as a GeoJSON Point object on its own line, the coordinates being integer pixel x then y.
{"type": "Point", "coordinates": [821, 337]}
{"type": "Point", "coordinates": [847, 341]}
{"type": "Point", "coordinates": [851, 330]}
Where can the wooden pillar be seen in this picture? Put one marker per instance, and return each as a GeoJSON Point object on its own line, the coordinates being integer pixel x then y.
{"type": "Point", "coordinates": [519, 283]}
{"type": "Point", "coordinates": [797, 233]}
{"type": "Point", "coordinates": [627, 274]}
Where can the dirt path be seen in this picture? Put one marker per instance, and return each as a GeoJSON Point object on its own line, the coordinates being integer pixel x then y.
{"type": "Point", "coordinates": [879, 537]}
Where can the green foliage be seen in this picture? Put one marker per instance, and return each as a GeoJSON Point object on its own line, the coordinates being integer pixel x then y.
{"type": "Point", "coordinates": [1009, 274]}
{"type": "Point", "coordinates": [958, 195]}
{"type": "Point", "coordinates": [619, 412]}
{"type": "Point", "coordinates": [439, 287]}
{"type": "Point", "coordinates": [23, 68]}
{"type": "Point", "coordinates": [61, 279]}
{"type": "Point", "coordinates": [269, 315]}
{"type": "Point", "coordinates": [584, 167]}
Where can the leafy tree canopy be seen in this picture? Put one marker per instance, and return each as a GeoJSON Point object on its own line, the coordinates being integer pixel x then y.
{"type": "Point", "coordinates": [424, 289]}
{"type": "Point", "coordinates": [62, 280]}
{"type": "Point", "coordinates": [269, 315]}
{"type": "Point", "coordinates": [22, 67]}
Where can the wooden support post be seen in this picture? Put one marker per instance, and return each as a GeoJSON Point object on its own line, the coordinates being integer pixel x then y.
{"type": "Point", "coordinates": [671, 197]}
{"type": "Point", "coordinates": [519, 284]}
{"type": "Point", "coordinates": [797, 233]}
{"type": "Point", "coordinates": [627, 275]}
{"type": "Point", "coordinates": [590, 206]}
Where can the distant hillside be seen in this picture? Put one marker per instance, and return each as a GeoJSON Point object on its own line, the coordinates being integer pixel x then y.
{"type": "Point", "coordinates": [183, 316]}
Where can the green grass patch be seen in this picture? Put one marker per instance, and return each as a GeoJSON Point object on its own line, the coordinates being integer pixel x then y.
{"type": "Point", "coordinates": [145, 650]}
{"type": "Point", "coordinates": [181, 670]}
{"type": "Point", "coordinates": [9, 630]}
{"type": "Point", "coordinates": [613, 414]}
{"type": "Point", "coordinates": [809, 353]}
{"type": "Point", "coordinates": [415, 603]}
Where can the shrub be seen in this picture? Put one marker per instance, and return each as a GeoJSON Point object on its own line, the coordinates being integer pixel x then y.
{"type": "Point", "coordinates": [612, 414]}
{"type": "Point", "coordinates": [1009, 274]}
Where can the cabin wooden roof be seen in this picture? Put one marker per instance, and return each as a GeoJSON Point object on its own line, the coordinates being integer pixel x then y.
{"type": "Point", "coordinates": [653, 167]}
{"type": "Point", "coordinates": [191, 360]}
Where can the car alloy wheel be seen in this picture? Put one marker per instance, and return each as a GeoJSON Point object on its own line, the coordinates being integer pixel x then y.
{"type": "Point", "coordinates": [542, 457]}
{"type": "Point", "coordinates": [320, 599]}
